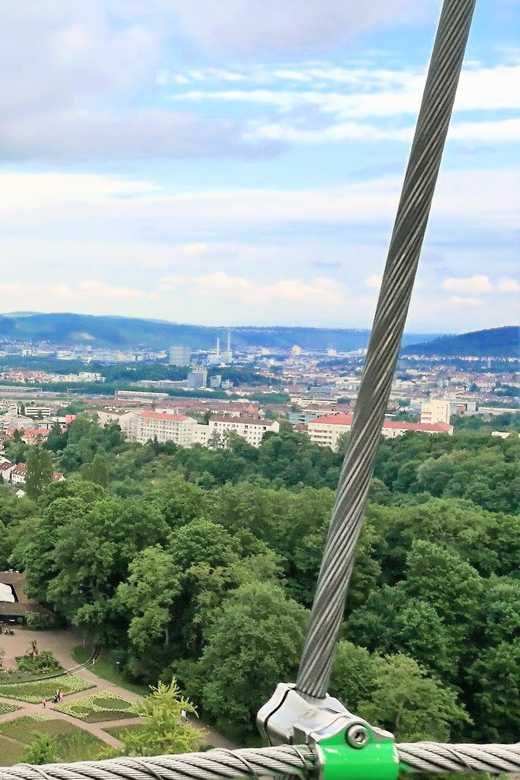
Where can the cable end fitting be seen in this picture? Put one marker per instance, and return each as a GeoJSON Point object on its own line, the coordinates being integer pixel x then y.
{"type": "Point", "coordinates": [343, 742]}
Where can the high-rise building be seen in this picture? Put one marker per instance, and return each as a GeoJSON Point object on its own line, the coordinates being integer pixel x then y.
{"type": "Point", "coordinates": [436, 410]}
{"type": "Point", "coordinates": [179, 355]}
{"type": "Point", "coordinates": [198, 379]}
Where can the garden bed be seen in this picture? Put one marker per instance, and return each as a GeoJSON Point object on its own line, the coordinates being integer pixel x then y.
{"type": "Point", "coordinates": [34, 692]}
{"type": "Point", "coordinates": [98, 707]}
{"type": "Point", "coordinates": [73, 743]}
{"type": "Point", "coordinates": [5, 708]}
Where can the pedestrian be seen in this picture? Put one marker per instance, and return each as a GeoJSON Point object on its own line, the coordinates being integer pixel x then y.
{"type": "Point", "coordinates": [44, 702]}
{"type": "Point", "coordinates": [61, 695]}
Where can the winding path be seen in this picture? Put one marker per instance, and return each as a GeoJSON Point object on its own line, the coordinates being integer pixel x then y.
{"type": "Point", "coordinates": [61, 643]}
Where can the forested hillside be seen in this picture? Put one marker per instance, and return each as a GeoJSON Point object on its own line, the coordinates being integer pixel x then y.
{"type": "Point", "coordinates": [125, 332]}
{"type": "Point", "coordinates": [494, 342]}
{"type": "Point", "coordinates": [202, 563]}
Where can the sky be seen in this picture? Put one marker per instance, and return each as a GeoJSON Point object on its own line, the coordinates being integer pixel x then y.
{"type": "Point", "coordinates": [238, 162]}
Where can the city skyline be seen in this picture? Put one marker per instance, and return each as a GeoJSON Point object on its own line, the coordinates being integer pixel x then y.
{"type": "Point", "coordinates": [224, 162]}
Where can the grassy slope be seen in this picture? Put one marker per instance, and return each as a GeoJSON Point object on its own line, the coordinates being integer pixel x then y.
{"type": "Point", "coordinates": [105, 667]}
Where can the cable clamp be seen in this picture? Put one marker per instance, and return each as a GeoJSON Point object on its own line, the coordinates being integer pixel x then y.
{"type": "Point", "coordinates": [342, 742]}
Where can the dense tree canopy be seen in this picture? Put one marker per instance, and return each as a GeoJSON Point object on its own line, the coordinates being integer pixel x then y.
{"type": "Point", "coordinates": [201, 564]}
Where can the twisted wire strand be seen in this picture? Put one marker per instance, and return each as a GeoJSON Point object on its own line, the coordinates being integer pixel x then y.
{"type": "Point", "coordinates": [284, 761]}
{"type": "Point", "coordinates": [219, 764]}
{"type": "Point", "coordinates": [435, 757]}
{"type": "Point", "coordinates": [396, 289]}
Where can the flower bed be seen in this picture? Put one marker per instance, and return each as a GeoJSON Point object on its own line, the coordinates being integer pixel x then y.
{"type": "Point", "coordinates": [34, 692]}
{"type": "Point", "coordinates": [4, 708]}
{"type": "Point", "coordinates": [98, 707]}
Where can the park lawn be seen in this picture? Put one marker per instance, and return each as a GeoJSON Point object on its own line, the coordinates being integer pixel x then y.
{"type": "Point", "coordinates": [118, 731]}
{"type": "Point", "coordinates": [34, 692]}
{"type": "Point", "coordinates": [10, 752]}
{"type": "Point", "coordinates": [105, 667]}
{"type": "Point", "coordinates": [98, 707]}
{"type": "Point", "coordinates": [74, 744]}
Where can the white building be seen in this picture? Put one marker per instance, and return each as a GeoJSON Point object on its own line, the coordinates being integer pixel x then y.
{"type": "Point", "coordinates": [436, 410]}
{"type": "Point", "coordinates": [197, 379]}
{"type": "Point", "coordinates": [164, 427]}
{"type": "Point", "coordinates": [326, 431]}
{"type": "Point", "coordinates": [126, 419]}
{"type": "Point", "coordinates": [179, 355]}
{"type": "Point", "coordinates": [252, 429]}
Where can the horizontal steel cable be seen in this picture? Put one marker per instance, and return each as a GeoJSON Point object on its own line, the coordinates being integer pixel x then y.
{"type": "Point", "coordinates": [214, 765]}
{"type": "Point", "coordinates": [298, 762]}
{"type": "Point", "coordinates": [396, 290]}
{"type": "Point", "coordinates": [435, 757]}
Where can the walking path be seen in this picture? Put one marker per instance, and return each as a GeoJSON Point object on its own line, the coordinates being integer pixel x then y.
{"type": "Point", "coordinates": [61, 643]}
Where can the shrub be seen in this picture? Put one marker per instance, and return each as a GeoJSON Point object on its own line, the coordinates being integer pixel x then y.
{"type": "Point", "coordinates": [38, 622]}
{"type": "Point", "coordinates": [43, 663]}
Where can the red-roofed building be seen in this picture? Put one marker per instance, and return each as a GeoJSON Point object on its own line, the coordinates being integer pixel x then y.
{"type": "Point", "coordinates": [327, 430]}
{"type": "Point", "coordinates": [5, 470]}
{"type": "Point", "coordinates": [30, 435]}
{"type": "Point", "coordinates": [18, 474]}
{"type": "Point", "coordinates": [165, 427]}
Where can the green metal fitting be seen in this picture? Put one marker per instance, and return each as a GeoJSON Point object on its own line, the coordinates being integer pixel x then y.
{"type": "Point", "coordinates": [376, 759]}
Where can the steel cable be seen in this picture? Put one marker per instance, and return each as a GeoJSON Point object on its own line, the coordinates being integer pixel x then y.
{"type": "Point", "coordinates": [435, 757]}
{"type": "Point", "coordinates": [394, 299]}
{"type": "Point", "coordinates": [219, 764]}
{"type": "Point", "coordinates": [285, 761]}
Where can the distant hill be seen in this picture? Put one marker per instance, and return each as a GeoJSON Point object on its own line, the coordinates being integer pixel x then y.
{"type": "Point", "coordinates": [495, 342]}
{"type": "Point", "coordinates": [128, 332]}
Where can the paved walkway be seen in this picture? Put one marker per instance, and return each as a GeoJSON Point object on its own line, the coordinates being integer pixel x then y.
{"type": "Point", "coordinates": [62, 643]}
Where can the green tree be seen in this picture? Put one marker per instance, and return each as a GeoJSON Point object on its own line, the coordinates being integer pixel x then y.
{"type": "Point", "coordinates": [98, 470]}
{"type": "Point", "coordinates": [152, 586]}
{"type": "Point", "coordinates": [39, 472]}
{"type": "Point", "coordinates": [43, 750]}
{"type": "Point", "coordinates": [164, 728]}
{"type": "Point", "coordinates": [352, 678]}
{"type": "Point", "coordinates": [410, 704]}
{"type": "Point", "coordinates": [495, 681]}
{"type": "Point", "coordinates": [254, 642]}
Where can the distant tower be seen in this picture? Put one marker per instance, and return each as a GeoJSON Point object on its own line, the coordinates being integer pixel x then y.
{"type": "Point", "coordinates": [227, 356]}
{"type": "Point", "coordinates": [218, 347]}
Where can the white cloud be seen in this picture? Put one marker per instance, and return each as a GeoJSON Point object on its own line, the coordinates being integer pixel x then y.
{"type": "Point", "coordinates": [458, 300]}
{"type": "Point", "coordinates": [375, 93]}
{"type": "Point", "coordinates": [469, 285]}
{"type": "Point", "coordinates": [98, 289]}
{"type": "Point", "coordinates": [194, 250]}
{"type": "Point", "coordinates": [509, 285]}
{"type": "Point", "coordinates": [247, 26]}
{"type": "Point", "coordinates": [220, 285]}
{"type": "Point", "coordinates": [27, 190]}
{"type": "Point", "coordinates": [94, 206]}
{"type": "Point", "coordinates": [373, 281]}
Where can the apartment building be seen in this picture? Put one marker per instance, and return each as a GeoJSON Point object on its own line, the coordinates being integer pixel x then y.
{"type": "Point", "coordinates": [436, 410]}
{"type": "Point", "coordinates": [252, 429]}
{"type": "Point", "coordinates": [126, 419]}
{"type": "Point", "coordinates": [164, 427]}
{"type": "Point", "coordinates": [326, 431]}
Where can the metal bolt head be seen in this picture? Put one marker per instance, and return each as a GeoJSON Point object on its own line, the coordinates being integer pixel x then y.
{"type": "Point", "coordinates": [357, 736]}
